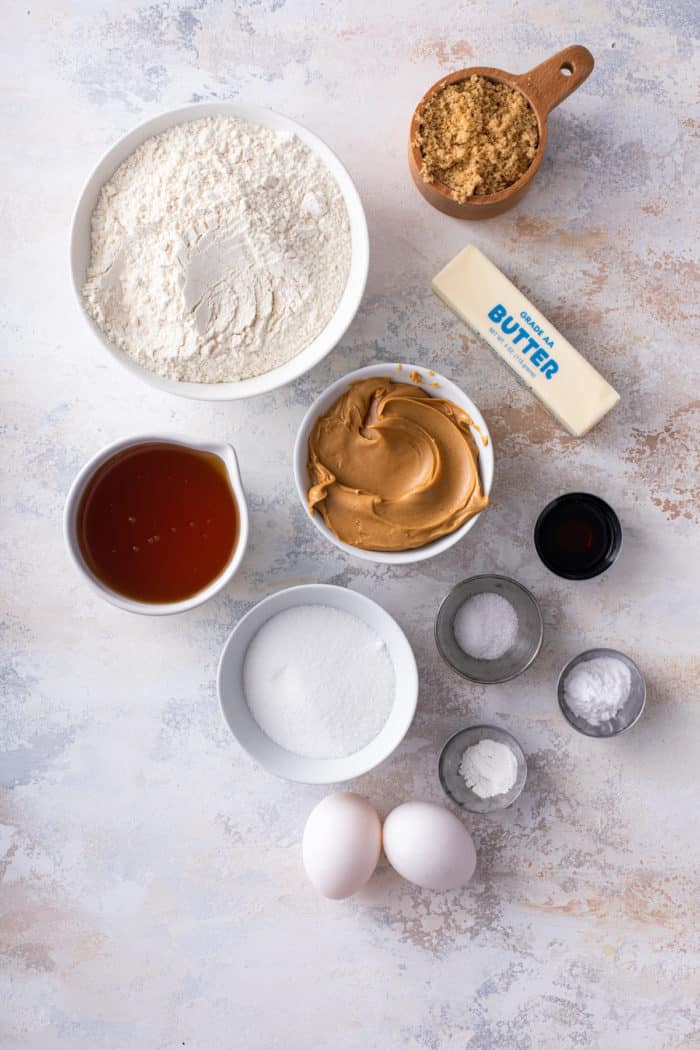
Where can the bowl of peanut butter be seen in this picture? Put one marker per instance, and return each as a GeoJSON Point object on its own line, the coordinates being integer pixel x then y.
{"type": "Point", "coordinates": [393, 463]}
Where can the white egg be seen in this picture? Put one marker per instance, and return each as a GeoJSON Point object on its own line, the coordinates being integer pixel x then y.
{"type": "Point", "coordinates": [341, 844]}
{"type": "Point", "coordinates": [429, 845]}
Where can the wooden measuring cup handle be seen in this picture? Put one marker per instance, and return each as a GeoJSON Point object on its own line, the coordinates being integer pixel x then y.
{"type": "Point", "coordinates": [554, 79]}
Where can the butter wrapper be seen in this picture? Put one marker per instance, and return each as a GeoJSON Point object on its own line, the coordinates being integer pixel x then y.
{"type": "Point", "coordinates": [540, 357]}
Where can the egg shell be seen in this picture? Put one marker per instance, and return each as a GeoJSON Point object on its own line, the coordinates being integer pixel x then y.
{"type": "Point", "coordinates": [341, 845]}
{"type": "Point", "coordinates": [429, 845]}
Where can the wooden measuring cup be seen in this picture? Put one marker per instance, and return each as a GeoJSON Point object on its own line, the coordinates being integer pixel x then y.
{"type": "Point", "coordinates": [544, 87]}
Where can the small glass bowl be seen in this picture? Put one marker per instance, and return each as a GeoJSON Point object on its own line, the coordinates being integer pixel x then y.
{"type": "Point", "coordinates": [584, 506]}
{"type": "Point", "coordinates": [527, 643]}
{"type": "Point", "coordinates": [629, 713]}
{"type": "Point", "coordinates": [453, 782]}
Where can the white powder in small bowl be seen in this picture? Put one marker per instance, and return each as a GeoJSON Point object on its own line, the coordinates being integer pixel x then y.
{"type": "Point", "coordinates": [489, 768]}
{"type": "Point", "coordinates": [486, 626]}
{"type": "Point", "coordinates": [319, 681]}
{"type": "Point", "coordinates": [596, 689]}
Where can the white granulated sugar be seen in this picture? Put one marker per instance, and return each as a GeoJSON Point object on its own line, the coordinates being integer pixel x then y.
{"type": "Point", "coordinates": [596, 689]}
{"type": "Point", "coordinates": [318, 681]}
{"type": "Point", "coordinates": [219, 250]}
{"type": "Point", "coordinates": [486, 626]}
{"type": "Point", "coordinates": [489, 768]}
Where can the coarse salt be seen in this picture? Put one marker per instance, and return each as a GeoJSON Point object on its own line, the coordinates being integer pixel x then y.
{"type": "Point", "coordinates": [596, 689]}
{"type": "Point", "coordinates": [319, 681]}
{"type": "Point", "coordinates": [486, 626]}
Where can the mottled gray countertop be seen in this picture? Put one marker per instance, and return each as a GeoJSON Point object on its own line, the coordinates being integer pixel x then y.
{"type": "Point", "coordinates": [153, 895]}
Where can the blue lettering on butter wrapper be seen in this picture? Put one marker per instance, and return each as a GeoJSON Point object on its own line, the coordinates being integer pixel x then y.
{"type": "Point", "coordinates": [510, 326]}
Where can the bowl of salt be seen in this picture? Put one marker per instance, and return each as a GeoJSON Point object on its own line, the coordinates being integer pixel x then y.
{"type": "Point", "coordinates": [489, 629]}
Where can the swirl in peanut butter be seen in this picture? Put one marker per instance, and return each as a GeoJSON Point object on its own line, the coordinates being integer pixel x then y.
{"type": "Point", "coordinates": [392, 468]}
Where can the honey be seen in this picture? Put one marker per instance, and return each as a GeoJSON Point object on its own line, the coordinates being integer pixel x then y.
{"type": "Point", "coordinates": [158, 522]}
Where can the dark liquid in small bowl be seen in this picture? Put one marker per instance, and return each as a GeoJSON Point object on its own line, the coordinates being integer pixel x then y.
{"type": "Point", "coordinates": [578, 536]}
{"type": "Point", "coordinates": [158, 522]}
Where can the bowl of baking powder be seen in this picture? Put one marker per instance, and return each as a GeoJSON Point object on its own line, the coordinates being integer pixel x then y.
{"type": "Point", "coordinates": [219, 251]}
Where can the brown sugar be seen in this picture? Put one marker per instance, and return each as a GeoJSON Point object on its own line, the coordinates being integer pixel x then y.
{"type": "Point", "coordinates": [476, 137]}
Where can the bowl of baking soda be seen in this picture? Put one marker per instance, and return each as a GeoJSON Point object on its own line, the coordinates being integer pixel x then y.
{"type": "Point", "coordinates": [601, 692]}
{"type": "Point", "coordinates": [489, 629]}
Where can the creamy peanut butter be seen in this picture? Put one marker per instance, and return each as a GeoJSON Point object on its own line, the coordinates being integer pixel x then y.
{"type": "Point", "coordinates": [393, 468]}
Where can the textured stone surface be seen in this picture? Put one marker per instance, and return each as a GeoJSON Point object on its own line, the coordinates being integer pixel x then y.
{"type": "Point", "coordinates": [152, 895]}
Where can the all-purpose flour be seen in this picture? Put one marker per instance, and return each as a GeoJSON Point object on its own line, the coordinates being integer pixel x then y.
{"type": "Point", "coordinates": [220, 250]}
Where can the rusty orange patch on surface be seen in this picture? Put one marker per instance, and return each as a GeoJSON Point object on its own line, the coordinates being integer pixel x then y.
{"type": "Point", "coordinates": [668, 461]}
{"type": "Point", "coordinates": [526, 228]}
{"type": "Point", "coordinates": [645, 899]}
{"type": "Point", "coordinates": [515, 426]}
{"type": "Point", "coordinates": [446, 54]}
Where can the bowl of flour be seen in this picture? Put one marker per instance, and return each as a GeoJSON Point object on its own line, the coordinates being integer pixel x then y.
{"type": "Point", "coordinates": [318, 684]}
{"type": "Point", "coordinates": [219, 251]}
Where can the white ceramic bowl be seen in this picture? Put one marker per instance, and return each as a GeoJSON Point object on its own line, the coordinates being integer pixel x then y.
{"type": "Point", "coordinates": [446, 389]}
{"type": "Point", "coordinates": [226, 453]}
{"type": "Point", "coordinates": [357, 277]}
{"type": "Point", "coordinates": [249, 734]}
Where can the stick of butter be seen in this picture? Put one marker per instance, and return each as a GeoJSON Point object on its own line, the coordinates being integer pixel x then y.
{"type": "Point", "coordinates": [538, 354]}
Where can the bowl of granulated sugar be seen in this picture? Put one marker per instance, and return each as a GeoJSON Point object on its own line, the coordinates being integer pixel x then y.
{"type": "Point", "coordinates": [318, 684]}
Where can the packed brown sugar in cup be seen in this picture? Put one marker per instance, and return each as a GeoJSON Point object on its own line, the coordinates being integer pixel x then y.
{"type": "Point", "coordinates": [476, 137]}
